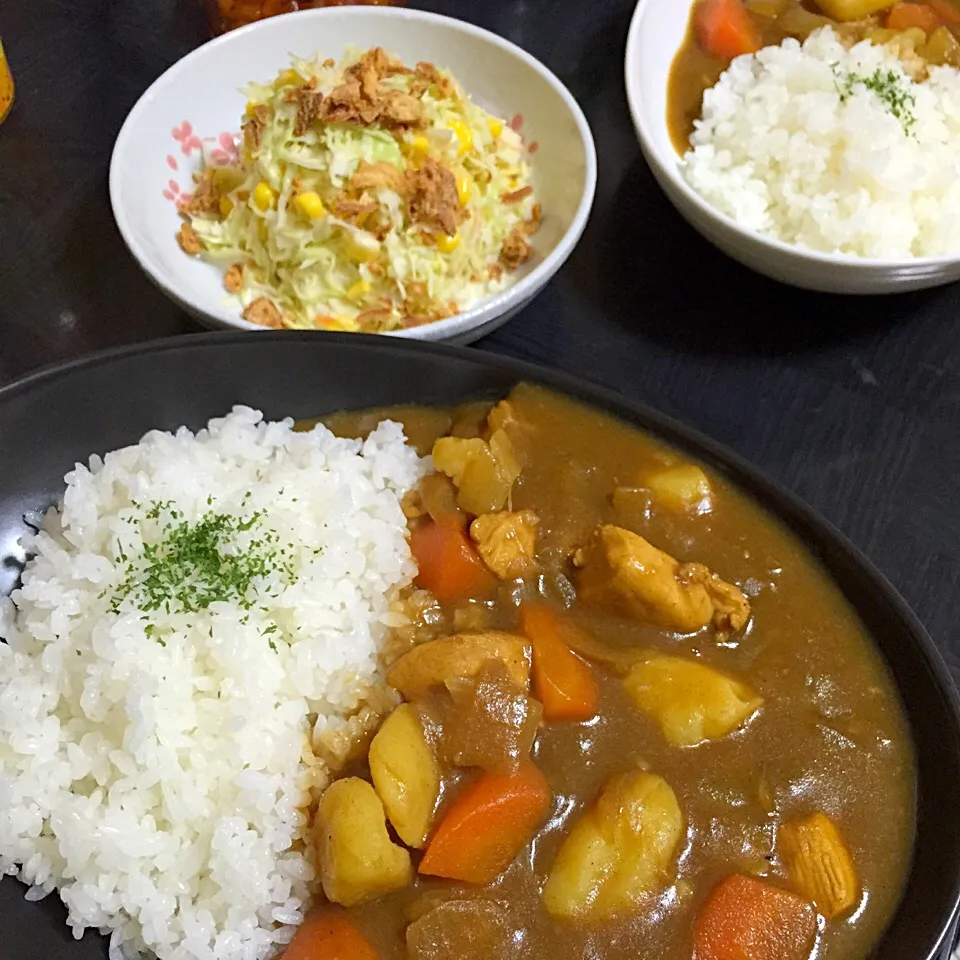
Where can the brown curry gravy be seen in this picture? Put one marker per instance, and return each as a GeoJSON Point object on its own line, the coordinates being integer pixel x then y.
{"type": "Point", "coordinates": [831, 735]}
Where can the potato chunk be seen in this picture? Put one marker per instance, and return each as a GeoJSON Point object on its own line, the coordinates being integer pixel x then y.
{"type": "Point", "coordinates": [506, 542]}
{"type": "Point", "coordinates": [432, 663]}
{"type": "Point", "coordinates": [358, 860]}
{"type": "Point", "coordinates": [623, 571]}
{"type": "Point", "coordinates": [483, 471]}
{"type": "Point", "coordinates": [819, 864]}
{"type": "Point", "coordinates": [458, 928]}
{"type": "Point", "coordinates": [691, 702]}
{"type": "Point", "coordinates": [845, 10]}
{"type": "Point", "coordinates": [621, 848]}
{"type": "Point", "coordinates": [406, 774]}
{"type": "Point", "coordinates": [681, 488]}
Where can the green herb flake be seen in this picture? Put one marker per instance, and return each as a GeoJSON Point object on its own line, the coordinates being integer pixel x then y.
{"type": "Point", "coordinates": [887, 85]}
{"type": "Point", "coordinates": [196, 564]}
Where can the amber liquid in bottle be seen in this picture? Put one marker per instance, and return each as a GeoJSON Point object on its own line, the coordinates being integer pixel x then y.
{"type": "Point", "coordinates": [6, 86]}
{"type": "Point", "coordinates": [229, 14]}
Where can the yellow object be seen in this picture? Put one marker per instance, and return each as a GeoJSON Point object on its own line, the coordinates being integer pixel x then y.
{"type": "Point", "coordinates": [620, 850]}
{"type": "Point", "coordinates": [684, 487]}
{"type": "Point", "coordinates": [690, 702]}
{"type": "Point", "coordinates": [447, 244]}
{"type": "Point", "coordinates": [226, 205]}
{"type": "Point", "coordinates": [358, 861]}
{"type": "Point", "coordinates": [406, 775]}
{"type": "Point", "coordinates": [462, 655]}
{"type": "Point", "coordinates": [362, 247]}
{"type": "Point", "coordinates": [358, 289]}
{"type": "Point", "coordinates": [419, 147]}
{"type": "Point", "coordinates": [462, 132]}
{"type": "Point", "coordinates": [852, 9]}
{"type": "Point", "coordinates": [289, 78]}
{"type": "Point", "coordinates": [464, 187]}
{"type": "Point", "coordinates": [251, 107]}
{"type": "Point", "coordinates": [310, 204]}
{"type": "Point", "coordinates": [6, 86]}
{"type": "Point", "coordinates": [263, 231]}
{"type": "Point", "coordinates": [819, 864]}
{"type": "Point", "coordinates": [482, 472]}
{"type": "Point", "coordinates": [264, 195]}
{"type": "Point", "coordinates": [495, 126]}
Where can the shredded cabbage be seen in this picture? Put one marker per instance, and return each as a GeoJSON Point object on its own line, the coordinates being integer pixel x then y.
{"type": "Point", "coordinates": [381, 267]}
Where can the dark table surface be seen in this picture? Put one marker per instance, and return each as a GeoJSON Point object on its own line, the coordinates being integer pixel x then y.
{"type": "Point", "coordinates": [853, 403]}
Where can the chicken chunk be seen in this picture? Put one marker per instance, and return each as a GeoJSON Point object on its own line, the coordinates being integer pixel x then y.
{"type": "Point", "coordinates": [433, 663]}
{"type": "Point", "coordinates": [626, 572]}
{"type": "Point", "coordinates": [506, 542]}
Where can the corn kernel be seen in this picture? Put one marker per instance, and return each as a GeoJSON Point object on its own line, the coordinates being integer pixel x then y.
{"type": "Point", "coordinates": [464, 188]}
{"type": "Point", "coordinates": [289, 78]}
{"type": "Point", "coordinates": [462, 132]}
{"type": "Point", "coordinates": [358, 290]}
{"type": "Point", "coordinates": [251, 107]}
{"type": "Point", "coordinates": [496, 127]}
{"type": "Point", "coordinates": [309, 204]}
{"type": "Point", "coordinates": [226, 205]}
{"type": "Point", "coordinates": [447, 244]}
{"type": "Point", "coordinates": [420, 147]}
{"type": "Point", "coordinates": [263, 195]}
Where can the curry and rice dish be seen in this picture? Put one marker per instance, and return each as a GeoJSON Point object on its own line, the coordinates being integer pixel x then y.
{"type": "Point", "coordinates": [509, 680]}
{"type": "Point", "coordinates": [832, 125]}
{"type": "Point", "coordinates": [367, 196]}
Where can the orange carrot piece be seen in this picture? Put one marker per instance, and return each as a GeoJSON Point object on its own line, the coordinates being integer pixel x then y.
{"type": "Point", "coordinates": [724, 29]}
{"type": "Point", "coordinates": [747, 919]}
{"type": "Point", "coordinates": [329, 936]}
{"type": "Point", "coordinates": [903, 16]}
{"type": "Point", "coordinates": [448, 566]}
{"type": "Point", "coordinates": [562, 682]}
{"type": "Point", "coordinates": [487, 826]}
{"type": "Point", "coordinates": [946, 10]}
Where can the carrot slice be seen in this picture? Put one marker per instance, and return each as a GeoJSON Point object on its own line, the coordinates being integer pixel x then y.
{"type": "Point", "coordinates": [724, 29]}
{"type": "Point", "coordinates": [329, 936]}
{"type": "Point", "coordinates": [946, 10]}
{"type": "Point", "coordinates": [747, 919]}
{"type": "Point", "coordinates": [562, 682]}
{"type": "Point", "coordinates": [903, 16]}
{"type": "Point", "coordinates": [448, 566]}
{"type": "Point", "coordinates": [487, 826]}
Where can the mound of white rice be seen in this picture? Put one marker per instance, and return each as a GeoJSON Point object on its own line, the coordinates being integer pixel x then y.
{"type": "Point", "coordinates": [154, 764]}
{"type": "Point", "coordinates": [789, 146]}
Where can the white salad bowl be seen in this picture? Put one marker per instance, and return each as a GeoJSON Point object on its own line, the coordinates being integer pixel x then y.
{"type": "Point", "coordinates": [656, 34]}
{"type": "Point", "coordinates": [195, 109]}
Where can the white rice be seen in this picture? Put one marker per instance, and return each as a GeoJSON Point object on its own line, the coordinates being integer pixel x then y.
{"type": "Point", "coordinates": [783, 152]}
{"type": "Point", "coordinates": [160, 787]}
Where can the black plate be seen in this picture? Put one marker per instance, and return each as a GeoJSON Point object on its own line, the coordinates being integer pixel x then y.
{"type": "Point", "coordinates": [57, 417]}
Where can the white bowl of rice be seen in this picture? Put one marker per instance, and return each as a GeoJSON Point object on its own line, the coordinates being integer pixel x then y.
{"type": "Point", "coordinates": [432, 201]}
{"type": "Point", "coordinates": [799, 170]}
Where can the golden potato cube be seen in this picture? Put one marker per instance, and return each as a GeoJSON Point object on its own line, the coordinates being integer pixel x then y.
{"type": "Point", "coordinates": [846, 10]}
{"type": "Point", "coordinates": [819, 863]}
{"type": "Point", "coordinates": [482, 472]}
{"type": "Point", "coordinates": [406, 774]}
{"type": "Point", "coordinates": [690, 701]}
{"type": "Point", "coordinates": [620, 849]}
{"type": "Point", "coordinates": [358, 860]}
{"type": "Point", "coordinates": [681, 488]}
{"type": "Point", "coordinates": [432, 663]}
